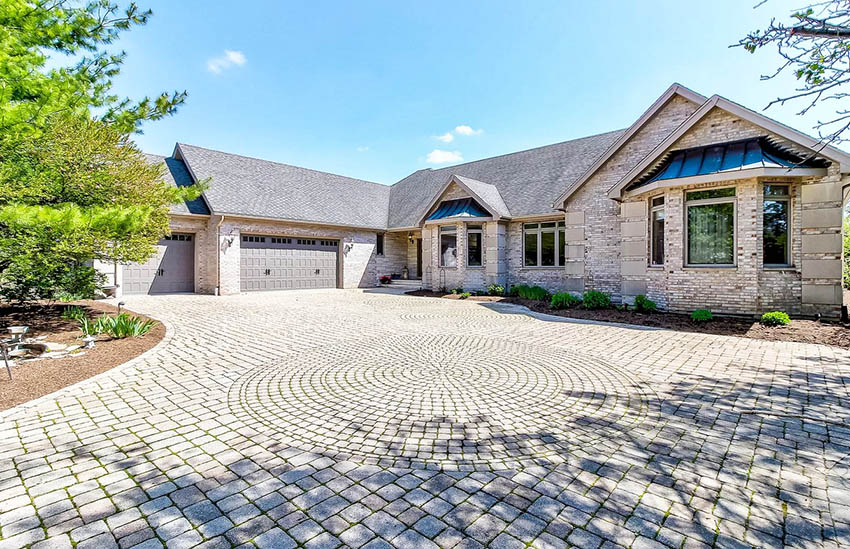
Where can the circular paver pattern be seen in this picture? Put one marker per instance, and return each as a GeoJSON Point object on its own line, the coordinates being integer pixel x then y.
{"type": "Point", "coordinates": [439, 400]}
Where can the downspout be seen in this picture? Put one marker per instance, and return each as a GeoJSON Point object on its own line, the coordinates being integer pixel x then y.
{"type": "Point", "coordinates": [218, 256]}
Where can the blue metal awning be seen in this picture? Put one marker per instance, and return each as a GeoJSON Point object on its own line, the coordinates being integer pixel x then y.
{"type": "Point", "coordinates": [465, 207]}
{"type": "Point", "coordinates": [757, 152]}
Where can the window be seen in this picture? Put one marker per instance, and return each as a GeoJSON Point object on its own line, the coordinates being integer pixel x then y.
{"type": "Point", "coordinates": [710, 226]}
{"type": "Point", "coordinates": [379, 245]}
{"type": "Point", "coordinates": [777, 207]}
{"type": "Point", "coordinates": [473, 245]}
{"type": "Point", "coordinates": [656, 228]}
{"type": "Point", "coordinates": [448, 246]}
{"type": "Point", "coordinates": [544, 244]}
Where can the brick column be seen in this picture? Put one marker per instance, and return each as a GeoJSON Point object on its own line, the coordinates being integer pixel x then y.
{"type": "Point", "coordinates": [495, 253]}
{"type": "Point", "coordinates": [229, 247]}
{"type": "Point", "coordinates": [428, 269]}
{"type": "Point", "coordinates": [821, 227]}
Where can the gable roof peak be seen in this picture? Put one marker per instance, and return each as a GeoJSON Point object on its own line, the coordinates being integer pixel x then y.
{"type": "Point", "coordinates": [675, 89]}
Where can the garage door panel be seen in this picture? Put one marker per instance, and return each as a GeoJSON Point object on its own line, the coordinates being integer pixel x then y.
{"type": "Point", "coordinates": [288, 263]}
{"type": "Point", "coordinates": [171, 269]}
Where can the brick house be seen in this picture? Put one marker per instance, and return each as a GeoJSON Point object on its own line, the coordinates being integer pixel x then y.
{"type": "Point", "coordinates": [701, 203]}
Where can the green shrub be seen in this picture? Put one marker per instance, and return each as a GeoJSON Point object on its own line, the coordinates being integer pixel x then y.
{"type": "Point", "coordinates": [775, 318]}
{"type": "Point", "coordinates": [701, 315]}
{"type": "Point", "coordinates": [496, 289]}
{"type": "Point", "coordinates": [464, 295]}
{"type": "Point", "coordinates": [596, 300]}
{"type": "Point", "coordinates": [645, 305]}
{"type": "Point", "coordinates": [456, 291]}
{"type": "Point", "coordinates": [515, 290]}
{"type": "Point", "coordinates": [564, 300]}
{"type": "Point", "coordinates": [532, 292]}
{"type": "Point", "coordinates": [73, 312]}
{"type": "Point", "coordinates": [123, 325]}
{"type": "Point", "coordinates": [89, 327]}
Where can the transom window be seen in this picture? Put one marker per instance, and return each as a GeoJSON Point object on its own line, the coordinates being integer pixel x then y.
{"type": "Point", "coordinates": [544, 244]}
{"type": "Point", "coordinates": [278, 240]}
{"type": "Point", "coordinates": [473, 245]}
{"type": "Point", "coordinates": [656, 228]}
{"type": "Point", "coordinates": [448, 246]}
{"type": "Point", "coordinates": [777, 222]}
{"type": "Point", "coordinates": [710, 226]}
{"type": "Point", "coordinates": [253, 238]}
{"type": "Point", "coordinates": [180, 237]}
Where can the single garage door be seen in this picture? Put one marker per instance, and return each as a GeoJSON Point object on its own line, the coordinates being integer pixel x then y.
{"type": "Point", "coordinates": [171, 269]}
{"type": "Point", "coordinates": [278, 263]}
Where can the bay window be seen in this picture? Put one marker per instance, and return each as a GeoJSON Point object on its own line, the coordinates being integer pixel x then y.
{"type": "Point", "coordinates": [448, 246]}
{"type": "Point", "coordinates": [473, 245]}
{"type": "Point", "coordinates": [710, 227]}
{"type": "Point", "coordinates": [543, 244]}
{"type": "Point", "coordinates": [777, 207]}
{"type": "Point", "coordinates": [656, 230]}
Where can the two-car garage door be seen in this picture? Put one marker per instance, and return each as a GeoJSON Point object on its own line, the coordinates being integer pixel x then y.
{"type": "Point", "coordinates": [280, 263]}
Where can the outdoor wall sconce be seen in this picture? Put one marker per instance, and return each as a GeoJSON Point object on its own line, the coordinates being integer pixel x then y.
{"type": "Point", "coordinates": [347, 248]}
{"type": "Point", "coordinates": [410, 237]}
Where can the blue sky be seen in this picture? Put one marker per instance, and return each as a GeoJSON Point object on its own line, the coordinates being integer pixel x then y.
{"type": "Point", "coordinates": [366, 89]}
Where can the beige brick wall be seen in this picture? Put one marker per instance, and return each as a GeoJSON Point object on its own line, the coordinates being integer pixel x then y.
{"type": "Point", "coordinates": [601, 225]}
{"type": "Point", "coordinates": [395, 254]}
{"type": "Point", "coordinates": [462, 276]}
{"type": "Point", "coordinates": [551, 278]}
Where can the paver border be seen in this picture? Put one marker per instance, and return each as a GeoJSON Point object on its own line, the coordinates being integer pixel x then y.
{"type": "Point", "coordinates": [166, 339]}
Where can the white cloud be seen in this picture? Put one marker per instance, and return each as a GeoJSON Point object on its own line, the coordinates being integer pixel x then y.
{"type": "Point", "coordinates": [362, 148]}
{"type": "Point", "coordinates": [446, 137]}
{"type": "Point", "coordinates": [229, 59]}
{"type": "Point", "coordinates": [438, 156]}
{"type": "Point", "coordinates": [467, 130]}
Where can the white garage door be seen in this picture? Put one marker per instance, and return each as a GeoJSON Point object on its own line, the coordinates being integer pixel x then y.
{"type": "Point", "coordinates": [278, 263]}
{"type": "Point", "coordinates": [171, 269]}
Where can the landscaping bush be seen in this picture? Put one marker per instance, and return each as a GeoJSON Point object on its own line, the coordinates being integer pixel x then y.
{"type": "Point", "coordinates": [516, 289]}
{"type": "Point", "coordinates": [532, 292]}
{"type": "Point", "coordinates": [464, 295]}
{"type": "Point", "coordinates": [89, 327]}
{"type": "Point", "coordinates": [775, 318]}
{"type": "Point", "coordinates": [596, 300]}
{"type": "Point", "coordinates": [386, 279]}
{"type": "Point", "coordinates": [701, 315]}
{"type": "Point", "coordinates": [73, 312]}
{"type": "Point", "coordinates": [496, 289]}
{"type": "Point", "coordinates": [120, 326]}
{"type": "Point", "coordinates": [645, 305]}
{"type": "Point", "coordinates": [564, 300]}
{"type": "Point", "coordinates": [456, 291]}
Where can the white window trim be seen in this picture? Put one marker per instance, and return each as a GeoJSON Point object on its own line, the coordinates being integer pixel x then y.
{"type": "Point", "coordinates": [559, 227]}
{"type": "Point", "coordinates": [790, 239]}
{"type": "Point", "coordinates": [652, 210]}
{"type": "Point", "coordinates": [705, 202]}
{"type": "Point", "coordinates": [479, 231]}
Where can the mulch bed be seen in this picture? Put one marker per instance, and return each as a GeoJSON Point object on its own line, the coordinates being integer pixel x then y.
{"type": "Point", "coordinates": [803, 331]}
{"type": "Point", "coordinates": [34, 379]}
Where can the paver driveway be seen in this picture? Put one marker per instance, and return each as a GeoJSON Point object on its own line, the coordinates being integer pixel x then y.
{"type": "Point", "coordinates": [333, 418]}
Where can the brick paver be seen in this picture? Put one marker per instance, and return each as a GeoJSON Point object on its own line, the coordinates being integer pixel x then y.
{"type": "Point", "coordinates": [350, 419]}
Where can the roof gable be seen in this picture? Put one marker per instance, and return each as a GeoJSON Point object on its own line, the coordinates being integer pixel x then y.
{"type": "Point", "coordinates": [527, 181]}
{"type": "Point", "coordinates": [671, 92]}
{"type": "Point", "coordinates": [484, 194]}
{"type": "Point", "coordinates": [793, 136]}
{"type": "Point", "coordinates": [176, 174]}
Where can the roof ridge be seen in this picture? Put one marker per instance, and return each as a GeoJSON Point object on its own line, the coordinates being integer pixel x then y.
{"type": "Point", "coordinates": [283, 164]}
{"type": "Point", "coordinates": [508, 154]}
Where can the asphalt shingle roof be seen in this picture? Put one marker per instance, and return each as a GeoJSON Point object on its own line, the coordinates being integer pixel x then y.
{"type": "Point", "coordinates": [259, 188]}
{"type": "Point", "coordinates": [517, 184]}
{"type": "Point", "coordinates": [527, 181]}
{"type": "Point", "coordinates": [176, 174]}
